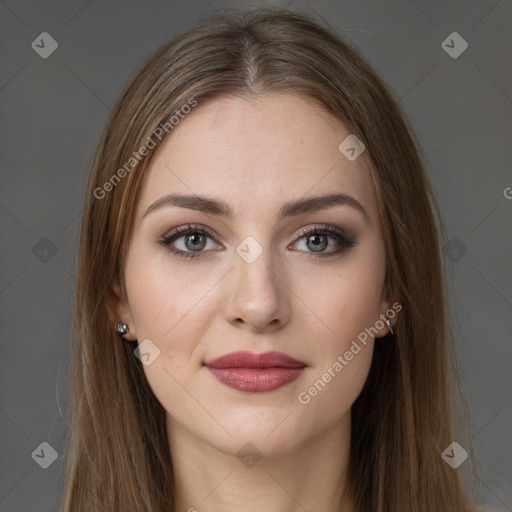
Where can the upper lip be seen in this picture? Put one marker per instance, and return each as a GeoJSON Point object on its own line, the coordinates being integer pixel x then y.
{"type": "Point", "coordinates": [246, 359]}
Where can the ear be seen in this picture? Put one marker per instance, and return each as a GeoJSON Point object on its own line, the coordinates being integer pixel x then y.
{"type": "Point", "coordinates": [388, 311]}
{"type": "Point", "coordinates": [119, 309]}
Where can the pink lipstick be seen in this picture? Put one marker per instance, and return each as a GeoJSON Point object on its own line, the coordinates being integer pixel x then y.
{"type": "Point", "coordinates": [256, 373]}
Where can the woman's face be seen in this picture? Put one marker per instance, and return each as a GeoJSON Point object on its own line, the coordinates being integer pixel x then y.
{"type": "Point", "coordinates": [262, 273]}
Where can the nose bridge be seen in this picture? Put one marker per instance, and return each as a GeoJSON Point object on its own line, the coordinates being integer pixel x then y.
{"type": "Point", "coordinates": [254, 268]}
{"type": "Point", "coordinates": [257, 274]}
{"type": "Point", "coordinates": [257, 296]}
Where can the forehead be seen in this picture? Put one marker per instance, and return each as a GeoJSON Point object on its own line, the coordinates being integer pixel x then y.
{"type": "Point", "coordinates": [256, 154]}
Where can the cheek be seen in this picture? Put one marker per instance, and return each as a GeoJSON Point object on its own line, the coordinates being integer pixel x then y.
{"type": "Point", "coordinates": [349, 305]}
{"type": "Point", "coordinates": [173, 308]}
{"type": "Point", "coordinates": [329, 395]}
{"type": "Point", "coordinates": [342, 303]}
{"type": "Point", "coordinates": [168, 305]}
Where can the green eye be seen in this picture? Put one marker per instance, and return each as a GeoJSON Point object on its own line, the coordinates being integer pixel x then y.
{"type": "Point", "coordinates": [317, 240]}
{"type": "Point", "coordinates": [195, 240]}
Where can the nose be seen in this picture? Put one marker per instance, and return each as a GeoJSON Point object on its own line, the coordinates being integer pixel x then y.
{"type": "Point", "coordinates": [257, 297]}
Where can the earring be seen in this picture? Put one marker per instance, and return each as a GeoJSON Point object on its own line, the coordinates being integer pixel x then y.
{"type": "Point", "coordinates": [122, 329]}
{"type": "Point", "coordinates": [389, 325]}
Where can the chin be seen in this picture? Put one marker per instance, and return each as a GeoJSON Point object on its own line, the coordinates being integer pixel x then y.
{"type": "Point", "coordinates": [271, 432]}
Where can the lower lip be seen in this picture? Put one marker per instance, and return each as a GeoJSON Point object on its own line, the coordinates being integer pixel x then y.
{"type": "Point", "coordinates": [254, 380]}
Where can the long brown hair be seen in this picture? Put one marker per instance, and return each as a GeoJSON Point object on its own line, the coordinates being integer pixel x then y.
{"type": "Point", "coordinates": [117, 454]}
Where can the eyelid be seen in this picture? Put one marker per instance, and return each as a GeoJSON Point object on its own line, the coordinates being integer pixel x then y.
{"type": "Point", "coordinates": [328, 228]}
{"type": "Point", "coordinates": [183, 230]}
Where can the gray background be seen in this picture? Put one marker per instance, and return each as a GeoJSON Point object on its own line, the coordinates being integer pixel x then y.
{"type": "Point", "coordinates": [52, 114]}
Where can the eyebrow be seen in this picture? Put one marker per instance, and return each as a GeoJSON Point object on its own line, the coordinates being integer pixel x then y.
{"type": "Point", "coordinates": [289, 209]}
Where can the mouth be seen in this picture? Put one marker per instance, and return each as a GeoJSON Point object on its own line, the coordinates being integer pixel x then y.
{"type": "Point", "coordinates": [256, 373]}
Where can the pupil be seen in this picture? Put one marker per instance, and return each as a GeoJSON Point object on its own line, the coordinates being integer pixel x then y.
{"type": "Point", "coordinates": [196, 241]}
{"type": "Point", "coordinates": [318, 241]}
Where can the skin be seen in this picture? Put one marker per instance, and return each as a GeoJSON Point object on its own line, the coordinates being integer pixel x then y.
{"type": "Point", "coordinates": [256, 154]}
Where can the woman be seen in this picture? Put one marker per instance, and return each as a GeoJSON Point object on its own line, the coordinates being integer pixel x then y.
{"type": "Point", "coordinates": [260, 232]}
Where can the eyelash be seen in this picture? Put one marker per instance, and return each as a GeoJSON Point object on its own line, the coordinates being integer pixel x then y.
{"type": "Point", "coordinates": [336, 233]}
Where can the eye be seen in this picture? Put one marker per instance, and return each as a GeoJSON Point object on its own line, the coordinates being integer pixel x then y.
{"type": "Point", "coordinates": [195, 240]}
{"type": "Point", "coordinates": [317, 239]}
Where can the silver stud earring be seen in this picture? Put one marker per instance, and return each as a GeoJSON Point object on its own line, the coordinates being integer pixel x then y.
{"type": "Point", "coordinates": [122, 329]}
{"type": "Point", "coordinates": [389, 325]}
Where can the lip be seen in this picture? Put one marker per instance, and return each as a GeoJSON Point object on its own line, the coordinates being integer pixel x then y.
{"type": "Point", "coordinates": [256, 373]}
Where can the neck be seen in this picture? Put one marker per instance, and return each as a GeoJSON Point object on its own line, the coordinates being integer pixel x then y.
{"type": "Point", "coordinates": [311, 477]}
